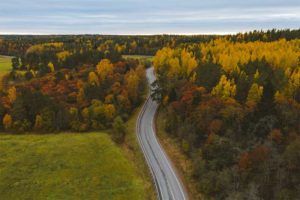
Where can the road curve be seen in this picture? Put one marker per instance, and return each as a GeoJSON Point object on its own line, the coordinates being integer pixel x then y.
{"type": "Point", "coordinates": [167, 183]}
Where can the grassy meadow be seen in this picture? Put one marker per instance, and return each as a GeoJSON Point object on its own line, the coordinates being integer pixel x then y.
{"type": "Point", "coordinates": [5, 67]}
{"type": "Point", "coordinates": [139, 57]}
{"type": "Point", "coordinates": [66, 166]}
{"type": "Point", "coordinates": [5, 64]}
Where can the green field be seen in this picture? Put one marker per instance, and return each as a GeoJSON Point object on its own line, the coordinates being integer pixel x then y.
{"type": "Point", "coordinates": [5, 64]}
{"type": "Point", "coordinates": [66, 166]}
{"type": "Point", "coordinates": [5, 67]}
{"type": "Point", "coordinates": [139, 57]}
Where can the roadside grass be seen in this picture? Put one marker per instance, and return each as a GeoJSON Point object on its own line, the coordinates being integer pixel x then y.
{"type": "Point", "coordinates": [67, 166]}
{"type": "Point", "coordinates": [180, 160]}
{"type": "Point", "coordinates": [134, 153]}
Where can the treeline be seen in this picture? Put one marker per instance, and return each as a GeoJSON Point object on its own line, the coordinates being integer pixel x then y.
{"type": "Point", "coordinates": [131, 45]}
{"type": "Point", "coordinates": [266, 36]}
{"type": "Point", "coordinates": [16, 45]}
{"type": "Point", "coordinates": [235, 109]}
{"type": "Point", "coordinates": [40, 59]}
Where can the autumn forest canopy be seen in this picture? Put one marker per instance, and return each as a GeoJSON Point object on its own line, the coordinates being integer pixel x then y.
{"type": "Point", "coordinates": [232, 102]}
{"type": "Point", "coordinates": [233, 106]}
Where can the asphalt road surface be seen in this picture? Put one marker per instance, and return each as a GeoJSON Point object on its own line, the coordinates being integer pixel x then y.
{"type": "Point", "coordinates": [167, 183]}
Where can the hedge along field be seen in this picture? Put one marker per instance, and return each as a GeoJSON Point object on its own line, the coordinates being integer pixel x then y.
{"type": "Point", "coordinates": [66, 166]}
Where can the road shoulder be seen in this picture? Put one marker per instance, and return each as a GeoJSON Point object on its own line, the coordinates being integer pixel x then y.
{"type": "Point", "coordinates": [134, 153]}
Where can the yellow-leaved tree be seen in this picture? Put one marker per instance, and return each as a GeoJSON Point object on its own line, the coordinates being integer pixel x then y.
{"type": "Point", "coordinates": [174, 68]}
{"type": "Point", "coordinates": [255, 93]}
{"type": "Point", "coordinates": [12, 94]}
{"type": "Point", "coordinates": [93, 78]}
{"type": "Point", "coordinates": [62, 56]}
{"type": "Point", "coordinates": [104, 69]}
{"type": "Point", "coordinates": [7, 121]}
{"type": "Point", "coordinates": [225, 88]}
{"type": "Point", "coordinates": [174, 63]}
{"type": "Point", "coordinates": [132, 84]}
{"type": "Point", "coordinates": [109, 111]}
{"type": "Point", "coordinates": [293, 83]}
{"type": "Point", "coordinates": [162, 59]}
{"type": "Point", "coordinates": [188, 63]}
{"type": "Point", "coordinates": [51, 67]}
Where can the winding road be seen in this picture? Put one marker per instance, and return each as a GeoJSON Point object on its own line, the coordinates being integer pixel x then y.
{"type": "Point", "coordinates": [167, 183]}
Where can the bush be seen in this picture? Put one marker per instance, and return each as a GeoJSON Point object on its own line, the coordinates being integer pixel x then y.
{"type": "Point", "coordinates": [119, 130]}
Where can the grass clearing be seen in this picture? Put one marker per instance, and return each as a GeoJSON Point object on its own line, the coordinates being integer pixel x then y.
{"type": "Point", "coordinates": [5, 64]}
{"type": "Point", "coordinates": [66, 166]}
{"type": "Point", "coordinates": [5, 67]}
{"type": "Point", "coordinates": [139, 57]}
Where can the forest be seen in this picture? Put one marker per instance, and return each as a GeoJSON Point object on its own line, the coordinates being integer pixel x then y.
{"type": "Point", "coordinates": [55, 87]}
{"type": "Point", "coordinates": [234, 107]}
{"type": "Point", "coordinates": [232, 102]}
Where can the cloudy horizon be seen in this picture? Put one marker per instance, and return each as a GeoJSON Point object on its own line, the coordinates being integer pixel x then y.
{"type": "Point", "coordinates": [126, 17]}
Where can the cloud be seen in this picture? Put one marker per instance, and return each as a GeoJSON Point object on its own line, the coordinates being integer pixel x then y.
{"type": "Point", "coordinates": [146, 17]}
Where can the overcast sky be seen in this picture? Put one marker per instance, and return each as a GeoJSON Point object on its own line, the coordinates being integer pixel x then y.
{"type": "Point", "coordinates": [146, 16]}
